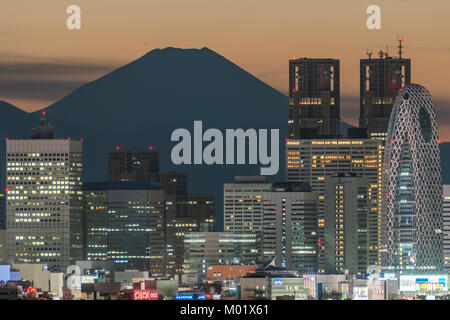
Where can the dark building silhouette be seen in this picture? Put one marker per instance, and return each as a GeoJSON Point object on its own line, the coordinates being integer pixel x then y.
{"type": "Point", "coordinates": [191, 213]}
{"type": "Point", "coordinates": [44, 130]}
{"type": "Point", "coordinates": [173, 182]}
{"type": "Point", "coordinates": [314, 98]}
{"type": "Point", "coordinates": [132, 165]}
{"type": "Point", "coordinates": [130, 223]}
{"type": "Point", "coordinates": [201, 207]}
{"type": "Point", "coordinates": [381, 79]}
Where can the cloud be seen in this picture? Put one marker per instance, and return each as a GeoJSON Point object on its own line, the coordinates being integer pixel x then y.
{"type": "Point", "coordinates": [22, 66]}
{"type": "Point", "coordinates": [33, 78]}
{"type": "Point", "coordinates": [37, 89]}
{"type": "Point", "coordinates": [48, 69]}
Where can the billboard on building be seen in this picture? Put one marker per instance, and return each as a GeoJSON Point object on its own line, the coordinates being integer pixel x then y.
{"type": "Point", "coordinates": [423, 284]}
{"type": "Point", "coordinates": [360, 293]}
{"type": "Point", "coordinates": [145, 295]}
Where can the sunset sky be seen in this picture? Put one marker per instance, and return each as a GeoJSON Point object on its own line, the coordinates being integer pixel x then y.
{"type": "Point", "coordinates": [41, 60]}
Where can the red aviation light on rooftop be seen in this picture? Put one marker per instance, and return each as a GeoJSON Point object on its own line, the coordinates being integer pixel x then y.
{"type": "Point", "coordinates": [69, 138]}
{"type": "Point", "coordinates": [117, 148]}
{"type": "Point", "coordinates": [400, 39]}
{"type": "Point", "coordinates": [6, 139]}
{"type": "Point", "coordinates": [150, 148]}
{"type": "Point", "coordinates": [82, 139]}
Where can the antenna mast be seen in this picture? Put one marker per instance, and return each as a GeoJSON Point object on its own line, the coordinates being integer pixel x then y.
{"type": "Point", "coordinates": [400, 47]}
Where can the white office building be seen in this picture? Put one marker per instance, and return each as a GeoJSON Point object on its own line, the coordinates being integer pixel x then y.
{"type": "Point", "coordinates": [44, 201]}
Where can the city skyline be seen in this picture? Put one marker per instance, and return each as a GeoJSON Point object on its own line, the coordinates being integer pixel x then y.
{"type": "Point", "coordinates": [62, 60]}
{"type": "Point", "coordinates": [123, 188]}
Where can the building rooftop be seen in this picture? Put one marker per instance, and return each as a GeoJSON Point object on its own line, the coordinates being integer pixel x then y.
{"type": "Point", "coordinates": [98, 186]}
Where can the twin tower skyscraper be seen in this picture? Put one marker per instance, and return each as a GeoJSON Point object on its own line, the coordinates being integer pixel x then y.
{"type": "Point", "coordinates": [314, 95]}
{"type": "Point", "coordinates": [401, 116]}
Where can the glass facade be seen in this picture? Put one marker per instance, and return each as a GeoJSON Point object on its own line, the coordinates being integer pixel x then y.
{"type": "Point", "coordinates": [412, 185]}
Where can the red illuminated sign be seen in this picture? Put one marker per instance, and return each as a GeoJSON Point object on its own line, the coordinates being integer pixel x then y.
{"type": "Point", "coordinates": [145, 295]}
{"type": "Point", "coordinates": [30, 290]}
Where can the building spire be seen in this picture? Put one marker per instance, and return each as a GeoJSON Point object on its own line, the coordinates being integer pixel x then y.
{"type": "Point", "coordinates": [400, 47]}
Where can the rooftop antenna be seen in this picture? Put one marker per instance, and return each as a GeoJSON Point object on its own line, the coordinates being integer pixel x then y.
{"type": "Point", "coordinates": [381, 54]}
{"type": "Point", "coordinates": [400, 47]}
{"type": "Point", "coordinates": [387, 51]}
{"type": "Point", "coordinates": [369, 54]}
{"type": "Point", "coordinates": [43, 118]}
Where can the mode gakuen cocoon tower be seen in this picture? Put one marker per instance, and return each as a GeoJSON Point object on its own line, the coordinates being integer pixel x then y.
{"type": "Point", "coordinates": [411, 224]}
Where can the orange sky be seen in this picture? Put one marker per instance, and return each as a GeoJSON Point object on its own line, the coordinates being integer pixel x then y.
{"type": "Point", "coordinates": [258, 35]}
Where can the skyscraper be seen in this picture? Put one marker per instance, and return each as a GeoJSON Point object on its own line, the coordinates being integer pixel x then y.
{"type": "Point", "coordinates": [290, 226]}
{"type": "Point", "coordinates": [195, 213]}
{"type": "Point", "coordinates": [446, 227]}
{"type": "Point", "coordinates": [2, 212]}
{"type": "Point", "coordinates": [380, 81]}
{"type": "Point", "coordinates": [346, 212]}
{"type": "Point", "coordinates": [44, 199]}
{"type": "Point", "coordinates": [128, 223]}
{"type": "Point", "coordinates": [314, 98]}
{"type": "Point", "coordinates": [243, 205]}
{"type": "Point", "coordinates": [312, 161]}
{"type": "Point", "coordinates": [132, 165]}
{"type": "Point", "coordinates": [411, 228]}
{"type": "Point", "coordinates": [142, 165]}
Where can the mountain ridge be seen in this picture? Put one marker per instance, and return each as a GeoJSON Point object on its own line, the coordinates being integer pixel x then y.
{"type": "Point", "coordinates": [142, 102]}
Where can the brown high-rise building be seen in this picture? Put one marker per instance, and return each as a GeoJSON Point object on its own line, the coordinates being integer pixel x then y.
{"type": "Point", "coordinates": [314, 98]}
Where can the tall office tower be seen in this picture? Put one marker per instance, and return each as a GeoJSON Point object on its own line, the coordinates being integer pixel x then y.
{"type": "Point", "coordinates": [380, 81]}
{"type": "Point", "coordinates": [132, 165]}
{"type": "Point", "coordinates": [201, 208]}
{"type": "Point", "coordinates": [3, 242]}
{"type": "Point", "coordinates": [128, 224]}
{"type": "Point", "coordinates": [44, 199]}
{"type": "Point", "coordinates": [95, 222]}
{"type": "Point", "coordinates": [2, 212]}
{"type": "Point", "coordinates": [446, 228]}
{"type": "Point", "coordinates": [314, 98]}
{"type": "Point", "coordinates": [3, 247]}
{"type": "Point", "coordinates": [411, 228]}
{"type": "Point", "coordinates": [312, 161]}
{"type": "Point", "coordinates": [143, 166]}
{"type": "Point", "coordinates": [346, 212]}
{"type": "Point", "coordinates": [290, 226]}
{"type": "Point", "coordinates": [243, 207]}
{"type": "Point", "coordinates": [195, 213]}
{"type": "Point", "coordinates": [204, 249]}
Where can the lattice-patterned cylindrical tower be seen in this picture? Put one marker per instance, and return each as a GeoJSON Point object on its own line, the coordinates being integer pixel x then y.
{"type": "Point", "coordinates": [411, 221]}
